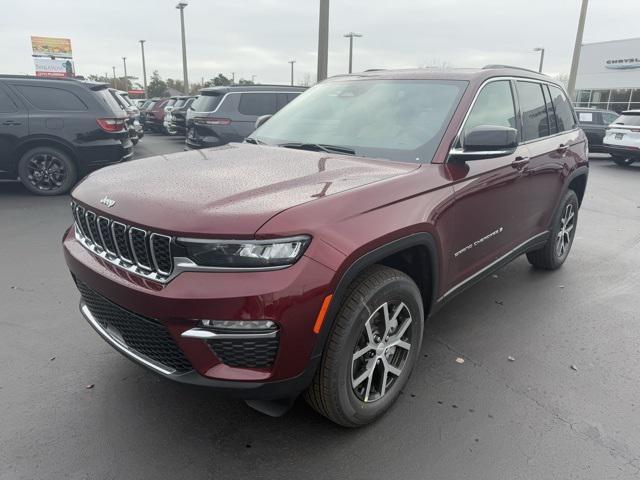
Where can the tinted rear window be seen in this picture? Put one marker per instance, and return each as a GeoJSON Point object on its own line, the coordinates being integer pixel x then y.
{"type": "Point", "coordinates": [179, 103]}
{"type": "Point", "coordinates": [108, 100]}
{"type": "Point", "coordinates": [535, 123]}
{"type": "Point", "coordinates": [626, 119]}
{"type": "Point", "coordinates": [51, 98]}
{"type": "Point", "coordinates": [206, 102]}
{"type": "Point", "coordinates": [256, 104]}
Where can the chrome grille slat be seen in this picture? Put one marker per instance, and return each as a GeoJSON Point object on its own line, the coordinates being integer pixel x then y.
{"type": "Point", "coordinates": [139, 248]}
{"type": "Point", "coordinates": [90, 218]}
{"type": "Point", "coordinates": [136, 250]}
{"type": "Point", "coordinates": [119, 231]}
{"type": "Point", "coordinates": [108, 243]}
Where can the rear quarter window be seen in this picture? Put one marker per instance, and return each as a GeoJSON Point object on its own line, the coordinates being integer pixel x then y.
{"type": "Point", "coordinates": [564, 112]}
{"type": "Point", "coordinates": [51, 98]}
{"type": "Point", "coordinates": [257, 104]}
{"type": "Point", "coordinates": [107, 99]}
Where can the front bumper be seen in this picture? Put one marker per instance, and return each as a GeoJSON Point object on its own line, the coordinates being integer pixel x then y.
{"type": "Point", "coordinates": [290, 297]}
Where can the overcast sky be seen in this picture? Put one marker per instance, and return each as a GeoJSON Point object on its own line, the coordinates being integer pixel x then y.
{"type": "Point", "coordinates": [258, 37]}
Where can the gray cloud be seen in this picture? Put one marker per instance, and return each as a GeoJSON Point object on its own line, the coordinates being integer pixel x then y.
{"type": "Point", "coordinates": [258, 37]}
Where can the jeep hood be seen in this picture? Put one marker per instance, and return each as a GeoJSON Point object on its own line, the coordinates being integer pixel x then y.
{"type": "Point", "coordinates": [225, 191]}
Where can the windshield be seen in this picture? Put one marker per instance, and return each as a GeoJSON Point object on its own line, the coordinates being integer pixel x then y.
{"type": "Point", "coordinates": [401, 120]}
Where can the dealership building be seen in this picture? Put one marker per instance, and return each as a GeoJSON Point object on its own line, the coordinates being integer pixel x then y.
{"type": "Point", "coordinates": [609, 75]}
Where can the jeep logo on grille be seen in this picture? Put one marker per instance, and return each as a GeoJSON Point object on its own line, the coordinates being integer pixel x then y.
{"type": "Point", "coordinates": [108, 202]}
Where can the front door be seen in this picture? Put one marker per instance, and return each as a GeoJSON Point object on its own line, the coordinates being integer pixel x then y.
{"type": "Point", "coordinates": [488, 192]}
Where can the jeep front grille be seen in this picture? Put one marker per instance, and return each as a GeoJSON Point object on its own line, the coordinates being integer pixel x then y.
{"type": "Point", "coordinates": [137, 250]}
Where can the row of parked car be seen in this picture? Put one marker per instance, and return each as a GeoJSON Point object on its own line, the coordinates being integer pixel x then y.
{"type": "Point", "coordinates": [218, 115]}
{"type": "Point", "coordinates": [612, 133]}
{"type": "Point", "coordinates": [55, 131]}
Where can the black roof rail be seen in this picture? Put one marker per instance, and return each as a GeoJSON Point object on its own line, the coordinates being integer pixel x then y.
{"type": "Point", "coordinates": [375, 70]}
{"type": "Point", "coordinates": [497, 65]}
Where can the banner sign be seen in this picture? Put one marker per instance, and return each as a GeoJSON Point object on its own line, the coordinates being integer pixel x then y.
{"type": "Point", "coordinates": [51, 47]}
{"type": "Point", "coordinates": [59, 67]}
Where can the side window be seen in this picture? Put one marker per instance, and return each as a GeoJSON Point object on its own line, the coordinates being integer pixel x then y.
{"type": "Point", "coordinates": [535, 123]}
{"type": "Point", "coordinates": [256, 104]}
{"type": "Point", "coordinates": [564, 112]}
{"type": "Point", "coordinates": [6, 104]}
{"type": "Point", "coordinates": [291, 96]}
{"type": "Point", "coordinates": [49, 98]}
{"type": "Point", "coordinates": [609, 118]}
{"type": "Point", "coordinates": [493, 106]}
{"type": "Point", "coordinates": [551, 113]}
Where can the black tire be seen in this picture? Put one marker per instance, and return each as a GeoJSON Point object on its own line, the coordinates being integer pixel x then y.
{"type": "Point", "coordinates": [47, 171]}
{"type": "Point", "coordinates": [623, 161]}
{"type": "Point", "coordinates": [332, 393]}
{"type": "Point", "coordinates": [552, 256]}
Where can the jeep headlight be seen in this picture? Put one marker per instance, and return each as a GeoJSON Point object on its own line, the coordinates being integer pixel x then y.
{"type": "Point", "coordinates": [245, 253]}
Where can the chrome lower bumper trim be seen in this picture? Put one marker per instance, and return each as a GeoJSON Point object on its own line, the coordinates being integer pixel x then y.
{"type": "Point", "coordinates": [112, 339]}
{"type": "Point", "coordinates": [204, 334]}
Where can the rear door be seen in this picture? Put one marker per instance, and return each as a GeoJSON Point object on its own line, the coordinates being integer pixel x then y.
{"type": "Point", "coordinates": [592, 124]}
{"type": "Point", "coordinates": [14, 126]}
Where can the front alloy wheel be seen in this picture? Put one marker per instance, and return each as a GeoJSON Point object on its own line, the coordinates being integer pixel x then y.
{"type": "Point", "coordinates": [372, 347]}
{"type": "Point", "coordinates": [381, 352]}
{"type": "Point", "coordinates": [47, 171]}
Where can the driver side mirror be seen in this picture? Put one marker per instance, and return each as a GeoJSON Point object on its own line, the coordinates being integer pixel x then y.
{"type": "Point", "coordinates": [486, 141]}
{"type": "Point", "coordinates": [262, 120]}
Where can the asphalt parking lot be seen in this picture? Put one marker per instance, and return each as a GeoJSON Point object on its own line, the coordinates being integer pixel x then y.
{"type": "Point", "coordinates": [565, 405]}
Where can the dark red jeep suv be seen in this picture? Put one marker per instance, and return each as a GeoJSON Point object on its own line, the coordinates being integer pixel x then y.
{"type": "Point", "coordinates": [308, 258]}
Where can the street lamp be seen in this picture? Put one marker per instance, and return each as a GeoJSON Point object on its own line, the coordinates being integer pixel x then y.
{"type": "Point", "coordinates": [323, 40]}
{"type": "Point", "coordinates": [576, 50]}
{"type": "Point", "coordinates": [541, 50]}
{"type": "Point", "coordinates": [185, 79]}
{"type": "Point", "coordinates": [124, 61]}
{"type": "Point", "coordinates": [114, 76]}
{"type": "Point", "coordinates": [144, 68]}
{"type": "Point", "coordinates": [350, 36]}
{"type": "Point", "coordinates": [292, 62]}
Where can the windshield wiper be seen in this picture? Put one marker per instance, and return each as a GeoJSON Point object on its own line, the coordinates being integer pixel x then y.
{"type": "Point", "coordinates": [316, 147]}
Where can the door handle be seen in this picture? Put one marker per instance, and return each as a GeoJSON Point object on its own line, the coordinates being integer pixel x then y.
{"type": "Point", "coordinates": [563, 149]}
{"type": "Point", "coordinates": [520, 162]}
{"type": "Point", "coordinates": [11, 123]}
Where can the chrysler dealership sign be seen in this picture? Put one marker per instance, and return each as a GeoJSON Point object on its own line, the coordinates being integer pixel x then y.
{"type": "Point", "coordinates": [623, 63]}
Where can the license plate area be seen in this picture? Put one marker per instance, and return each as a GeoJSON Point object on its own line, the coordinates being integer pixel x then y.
{"type": "Point", "coordinates": [618, 136]}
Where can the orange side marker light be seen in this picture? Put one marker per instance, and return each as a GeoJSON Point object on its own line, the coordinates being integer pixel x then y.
{"type": "Point", "coordinates": [322, 313]}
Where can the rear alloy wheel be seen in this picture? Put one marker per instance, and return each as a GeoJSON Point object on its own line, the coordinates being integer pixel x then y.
{"type": "Point", "coordinates": [47, 171]}
{"type": "Point", "coordinates": [622, 161]}
{"type": "Point", "coordinates": [558, 246]}
{"type": "Point", "coordinates": [371, 350]}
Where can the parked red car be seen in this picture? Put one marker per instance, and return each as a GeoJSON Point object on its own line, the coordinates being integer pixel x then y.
{"type": "Point", "coordinates": [154, 116]}
{"type": "Point", "coordinates": [308, 259]}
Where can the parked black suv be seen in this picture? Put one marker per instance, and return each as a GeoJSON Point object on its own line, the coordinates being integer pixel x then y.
{"type": "Point", "coordinates": [53, 131]}
{"type": "Point", "coordinates": [228, 114]}
{"type": "Point", "coordinates": [594, 122]}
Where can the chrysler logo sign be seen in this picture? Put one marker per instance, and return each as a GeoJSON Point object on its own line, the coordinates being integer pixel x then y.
{"type": "Point", "coordinates": [108, 202]}
{"type": "Point", "coordinates": [623, 63]}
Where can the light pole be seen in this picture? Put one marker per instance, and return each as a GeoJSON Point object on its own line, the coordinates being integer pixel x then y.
{"type": "Point", "coordinates": [114, 76]}
{"type": "Point", "coordinates": [185, 79]}
{"type": "Point", "coordinates": [144, 68]}
{"type": "Point", "coordinates": [541, 50]}
{"type": "Point", "coordinates": [350, 36]}
{"type": "Point", "coordinates": [323, 40]}
{"type": "Point", "coordinates": [292, 62]}
{"type": "Point", "coordinates": [576, 50]}
{"type": "Point", "coordinates": [124, 62]}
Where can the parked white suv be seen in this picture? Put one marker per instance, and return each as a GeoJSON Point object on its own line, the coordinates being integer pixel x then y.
{"type": "Point", "coordinates": [622, 138]}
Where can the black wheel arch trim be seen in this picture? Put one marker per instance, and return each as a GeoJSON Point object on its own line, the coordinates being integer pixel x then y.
{"type": "Point", "coordinates": [372, 257]}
